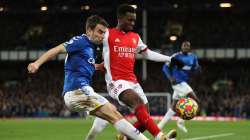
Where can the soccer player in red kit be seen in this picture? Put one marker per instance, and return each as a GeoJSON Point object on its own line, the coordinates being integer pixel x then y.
{"type": "Point", "coordinates": [120, 46]}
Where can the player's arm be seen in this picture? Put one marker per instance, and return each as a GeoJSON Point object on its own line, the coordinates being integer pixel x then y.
{"type": "Point", "coordinates": [34, 66]}
{"type": "Point", "coordinates": [196, 68]}
{"type": "Point", "coordinates": [168, 73]}
{"type": "Point", "coordinates": [100, 67]}
{"type": "Point", "coordinates": [151, 55]}
{"type": "Point", "coordinates": [157, 57]}
{"type": "Point", "coordinates": [154, 56]}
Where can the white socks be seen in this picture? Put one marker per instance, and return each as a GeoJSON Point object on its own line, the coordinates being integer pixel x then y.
{"type": "Point", "coordinates": [97, 127]}
{"type": "Point", "coordinates": [128, 129]}
{"type": "Point", "coordinates": [166, 118]}
{"type": "Point", "coordinates": [181, 125]}
{"type": "Point", "coordinates": [122, 125]}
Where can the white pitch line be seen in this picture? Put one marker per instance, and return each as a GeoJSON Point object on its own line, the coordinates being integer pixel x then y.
{"type": "Point", "coordinates": [210, 137]}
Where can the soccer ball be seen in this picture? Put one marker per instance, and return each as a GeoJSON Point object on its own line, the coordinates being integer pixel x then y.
{"type": "Point", "coordinates": [186, 108]}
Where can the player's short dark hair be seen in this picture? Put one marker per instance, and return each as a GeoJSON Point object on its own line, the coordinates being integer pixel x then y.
{"type": "Point", "coordinates": [93, 20]}
{"type": "Point", "coordinates": [123, 9]}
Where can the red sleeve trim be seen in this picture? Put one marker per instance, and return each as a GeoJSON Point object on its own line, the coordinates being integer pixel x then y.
{"type": "Point", "coordinates": [143, 50]}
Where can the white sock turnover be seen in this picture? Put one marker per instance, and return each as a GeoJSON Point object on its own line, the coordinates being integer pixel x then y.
{"type": "Point", "coordinates": [129, 130]}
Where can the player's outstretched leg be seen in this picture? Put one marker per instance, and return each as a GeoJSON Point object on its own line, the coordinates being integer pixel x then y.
{"type": "Point", "coordinates": [166, 118]}
{"type": "Point", "coordinates": [131, 99]}
{"type": "Point", "coordinates": [181, 125]}
{"type": "Point", "coordinates": [181, 122]}
{"type": "Point", "coordinates": [108, 112]}
{"type": "Point", "coordinates": [171, 135]}
{"type": "Point", "coordinates": [85, 99]}
{"type": "Point", "coordinates": [171, 112]}
{"type": "Point", "coordinates": [97, 127]}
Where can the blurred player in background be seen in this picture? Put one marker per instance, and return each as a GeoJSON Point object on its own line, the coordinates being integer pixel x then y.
{"type": "Point", "coordinates": [119, 49]}
{"type": "Point", "coordinates": [178, 79]}
{"type": "Point", "coordinates": [79, 67]}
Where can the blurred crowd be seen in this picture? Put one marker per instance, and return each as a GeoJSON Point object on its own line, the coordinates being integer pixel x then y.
{"type": "Point", "coordinates": [222, 87]}
{"type": "Point", "coordinates": [32, 96]}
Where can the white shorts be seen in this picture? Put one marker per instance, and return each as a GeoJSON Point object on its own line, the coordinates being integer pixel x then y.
{"type": "Point", "coordinates": [181, 90]}
{"type": "Point", "coordinates": [83, 100]}
{"type": "Point", "coordinates": [115, 88]}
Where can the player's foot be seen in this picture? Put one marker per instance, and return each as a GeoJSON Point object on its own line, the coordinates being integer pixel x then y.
{"type": "Point", "coordinates": [121, 137]}
{"type": "Point", "coordinates": [181, 125]}
{"type": "Point", "coordinates": [172, 134]}
{"type": "Point", "coordinates": [161, 136]}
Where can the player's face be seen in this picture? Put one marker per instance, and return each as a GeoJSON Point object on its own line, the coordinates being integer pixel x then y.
{"type": "Point", "coordinates": [96, 35]}
{"type": "Point", "coordinates": [185, 47]}
{"type": "Point", "coordinates": [127, 22]}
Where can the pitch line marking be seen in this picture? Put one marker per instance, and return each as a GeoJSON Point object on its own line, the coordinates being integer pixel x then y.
{"type": "Point", "coordinates": [211, 136]}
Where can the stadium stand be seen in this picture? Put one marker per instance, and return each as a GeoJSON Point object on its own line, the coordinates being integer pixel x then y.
{"type": "Point", "coordinates": [39, 95]}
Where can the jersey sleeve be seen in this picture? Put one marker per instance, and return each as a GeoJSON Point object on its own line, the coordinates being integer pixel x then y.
{"type": "Point", "coordinates": [141, 47]}
{"type": "Point", "coordinates": [174, 55]}
{"type": "Point", "coordinates": [196, 64]}
{"type": "Point", "coordinates": [105, 40]}
{"type": "Point", "coordinates": [73, 45]}
{"type": "Point", "coordinates": [166, 71]}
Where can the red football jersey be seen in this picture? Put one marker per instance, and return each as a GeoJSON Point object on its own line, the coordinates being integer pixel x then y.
{"type": "Point", "coordinates": [119, 50]}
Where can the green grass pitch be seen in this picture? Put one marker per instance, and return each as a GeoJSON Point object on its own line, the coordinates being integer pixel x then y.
{"type": "Point", "coordinates": [76, 129]}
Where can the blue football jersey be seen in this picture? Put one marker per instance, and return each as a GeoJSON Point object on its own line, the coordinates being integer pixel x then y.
{"type": "Point", "coordinates": [182, 75]}
{"type": "Point", "coordinates": [79, 63]}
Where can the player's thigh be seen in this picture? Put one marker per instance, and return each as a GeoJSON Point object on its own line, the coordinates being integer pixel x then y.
{"type": "Point", "coordinates": [138, 89]}
{"type": "Point", "coordinates": [84, 99]}
{"type": "Point", "coordinates": [107, 112]}
{"type": "Point", "coordinates": [130, 98]}
{"type": "Point", "coordinates": [181, 90]}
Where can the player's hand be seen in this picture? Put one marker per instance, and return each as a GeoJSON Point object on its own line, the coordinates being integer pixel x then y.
{"type": "Point", "coordinates": [33, 67]}
{"type": "Point", "coordinates": [99, 67]}
{"type": "Point", "coordinates": [176, 62]}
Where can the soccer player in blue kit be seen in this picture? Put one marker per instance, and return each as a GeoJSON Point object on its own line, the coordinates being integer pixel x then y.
{"type": "Point", "coordinates": [79, 67]}
{"type": "Point", "coordinates": [178, 79]}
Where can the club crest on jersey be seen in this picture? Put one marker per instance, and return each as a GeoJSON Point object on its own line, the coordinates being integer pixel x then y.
{"type": "Point", "coordinates": [117, 40]}
{"type": "Point", "coordinates": [134, 41]}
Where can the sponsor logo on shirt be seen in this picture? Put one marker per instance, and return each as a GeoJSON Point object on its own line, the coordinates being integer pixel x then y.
{"type": "Point", "coordinates": [117, 40]}
{"type": "Point", "coordinates": [124, 51]}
